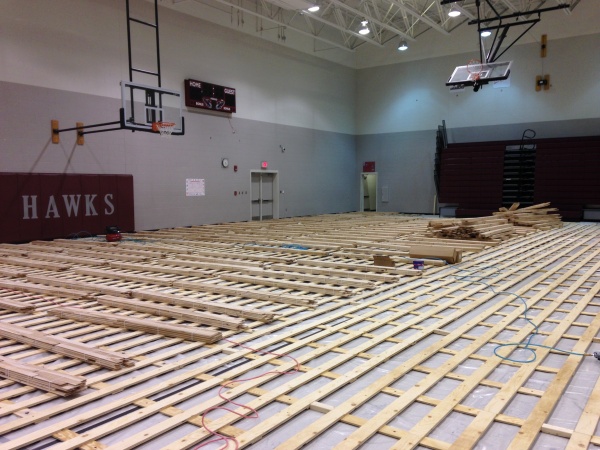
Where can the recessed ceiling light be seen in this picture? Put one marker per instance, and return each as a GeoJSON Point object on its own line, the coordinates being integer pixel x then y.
{"type": "Point", "coordinates": [314, 8]}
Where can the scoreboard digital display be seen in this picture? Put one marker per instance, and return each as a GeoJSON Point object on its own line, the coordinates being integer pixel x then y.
{"type": "Point", "coordinates": [199, 94]}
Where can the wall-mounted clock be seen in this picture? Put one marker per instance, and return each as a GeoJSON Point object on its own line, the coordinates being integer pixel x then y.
{"type": "Point", "coordinates": [225, 162]}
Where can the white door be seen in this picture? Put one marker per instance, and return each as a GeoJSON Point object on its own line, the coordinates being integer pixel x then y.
{"type": "Point", "coordinates": [264, 187]}
{"type": "Point", "coordinates": [368, 191]}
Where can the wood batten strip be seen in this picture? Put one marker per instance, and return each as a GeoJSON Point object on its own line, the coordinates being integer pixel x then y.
{"type": "Point", "coordinates": [67, 259]}
{"type": "Point", "coordinates": [111, 274]}
{"type": "Point", "coordinates": [186, 332]}
{"type": "Point", "coordinates": [16, 305]}
{"type": "Point", "coordinates": [213, 306]}
{"type": "Point", "coordinates": [161, 268]}
{"type": "Point", "coordinates": [349, 274]}
{"type": "Point", "coordinates": [11, 273]}
{"type": "Point", "coordinates": [295, 276]}
{"type": "Point", "coordinates": [82, 285]}
{"type": "Point", "coordinates": [215, 320]}
{"type": "Point", "coordinates": [198, 286]}
{"type": "Point", "coordinates": [295, 251]}
{"type": "Point", "coordinates": [23, 286]}
{"type": "Point", "coordinates": [59, 383]}
{"type": "Point", "coordinates": [362, 267]}
{"type": "Point", "coordinates": [26, 262]}
{"type": "Point", "coordinates": [103, 358]}
{"type": "Point", "coordinates": [305, 287]}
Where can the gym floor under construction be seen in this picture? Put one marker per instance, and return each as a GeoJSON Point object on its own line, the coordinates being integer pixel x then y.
{"type": "Point", "coordinates": [317, 224]}
{"type": "Point", "coordinates": [285, 334]}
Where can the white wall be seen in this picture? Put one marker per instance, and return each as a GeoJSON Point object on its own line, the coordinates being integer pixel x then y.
{"type": "Point", "coordinates": [81, 46]}
{"type": "Point", "coordinates": [413, 96]}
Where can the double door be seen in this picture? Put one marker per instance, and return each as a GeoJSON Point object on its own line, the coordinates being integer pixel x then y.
{"type": "Point", "coordinates": [265, 195]}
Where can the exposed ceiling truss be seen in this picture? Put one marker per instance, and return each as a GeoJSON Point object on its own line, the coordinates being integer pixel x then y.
{"type": "Point", "coordinates": [337, 22]}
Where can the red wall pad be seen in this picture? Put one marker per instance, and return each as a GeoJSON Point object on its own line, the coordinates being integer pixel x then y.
{"type": "Point", "coordinates": [48, 206]}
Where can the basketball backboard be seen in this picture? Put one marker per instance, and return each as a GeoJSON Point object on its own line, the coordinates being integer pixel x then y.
{"type": "Point", "coordinates": [144, 105]}
{"type": "Point", "coordinates": [487, 72]}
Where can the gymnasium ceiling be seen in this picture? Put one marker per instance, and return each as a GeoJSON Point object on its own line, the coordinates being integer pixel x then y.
{"type": "Point", "coordinates": [332, 32]}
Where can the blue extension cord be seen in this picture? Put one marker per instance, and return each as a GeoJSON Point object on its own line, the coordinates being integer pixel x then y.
{"type": "Point", "coordinates": [527, 346]}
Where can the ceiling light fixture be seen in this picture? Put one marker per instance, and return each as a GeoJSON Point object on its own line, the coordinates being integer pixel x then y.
{"type": "Point", "coordinates": [486, 33]}
{"type": "Point", "coordinates": [454, 12]}
{"type": "Point", "coordinates": [403, 46]}
{"type": "Point", "coordinates": [365, 29]}
{"type": "Point", "coordinates": [314, 8]}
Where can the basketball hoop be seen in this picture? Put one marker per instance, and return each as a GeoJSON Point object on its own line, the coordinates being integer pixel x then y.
{"type": "Point", "coordinates": [474, 67]}
{"type": "Point", "coordinates": [164, 128]}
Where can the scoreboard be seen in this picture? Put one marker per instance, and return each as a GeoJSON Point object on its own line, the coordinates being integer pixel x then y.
{"type": "Point", "coordinates": [199, 94]}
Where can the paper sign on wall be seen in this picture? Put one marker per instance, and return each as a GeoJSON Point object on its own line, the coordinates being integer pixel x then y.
{"type": "Point", "coordinates": [194, 187]}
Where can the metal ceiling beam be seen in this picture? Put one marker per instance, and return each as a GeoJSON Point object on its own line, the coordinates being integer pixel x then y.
{"type": "Point", "coordinates": [419, 16]}
{"type": "Point", "coordinates": [345, 30]}
{"type": "Point", "coordinates": [279, 22]}
{"type": "Point", "coordinates": [372, 19]}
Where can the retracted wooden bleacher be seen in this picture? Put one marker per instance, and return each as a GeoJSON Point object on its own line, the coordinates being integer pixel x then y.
{"type": "Point", "coordinates": [566, 174]}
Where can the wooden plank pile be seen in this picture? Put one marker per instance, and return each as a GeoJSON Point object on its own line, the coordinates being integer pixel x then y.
{"type": "Point", "coordinates": [104, 358]}
{"type": "Point", "coordinates": [478, 228]}
{"type": "Point", "coordinates": [59, 383]}
{"type": "Point", "coordinates": [501, 225]}
{"type": "Point", "coordinates": [185, 332]}
{"type": "Point", "coordinates": [539, 216]}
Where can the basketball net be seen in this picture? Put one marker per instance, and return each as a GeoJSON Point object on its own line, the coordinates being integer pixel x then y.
{"type": "Point", "coordinates": [474, 67]}
{"type": "Point", "coordinates": [164, 128]}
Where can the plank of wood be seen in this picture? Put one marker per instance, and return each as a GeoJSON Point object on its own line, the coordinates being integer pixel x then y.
{"type": "Point", "coordinates": [291, 275]}
{"type": "Point", "coordinates": [204, 318]}
{"type": "Point", "coordinates": [199, 286]}
{"type": "Point", "coordinates": [23, 286]}
{"type": "Point", "coordinates": [298, 286]}
{"type": "Point", "coordinates": [361, 267]}
{"type": "Point", "coordinates": [16, 305]}
{"type": "Point", "coordinates": [59, 383]}
{"type": "Point", "coordinates": [111, 274]}
{"type": "Point", "coordinates": [12, 273]}
{"type": "Point", "coordinates": [346, 274]}
{"type": "Point", "coordinates": [214, 306]}
{"type": "Point", "coordinates": [104, 358]}
{"type": "Point", "coordinates": [26, 262]}
{"type": "Point", "coordinates": [186, 332]}
{"type": "Point", "coordinates": [83, 285]}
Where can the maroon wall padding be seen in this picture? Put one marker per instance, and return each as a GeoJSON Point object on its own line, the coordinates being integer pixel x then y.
{"type": "Point", "coordinates": [47, 206]}
{"type": "Point", "coordinates": [9, 207]}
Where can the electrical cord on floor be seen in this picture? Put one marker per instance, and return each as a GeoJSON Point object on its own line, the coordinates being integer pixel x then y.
{"type": "Point", "coordinates": [523, 345]}
{"type": "Point", "coordinates": [252, 412]}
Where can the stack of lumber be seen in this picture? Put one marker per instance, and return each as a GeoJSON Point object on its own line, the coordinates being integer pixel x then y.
{"type": "Point", "coordinates": [185, 332]}
{"type": "Point", "coordinates": [104, 358]}
{"type": "Point", "coordinates": [500, 225]}
{"type": "Point", "coordinates": [477, 228]}
{"type": "Point", "coordinates": [539, 216]}
{"type": "Point", "coordinates": [59, 383]}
